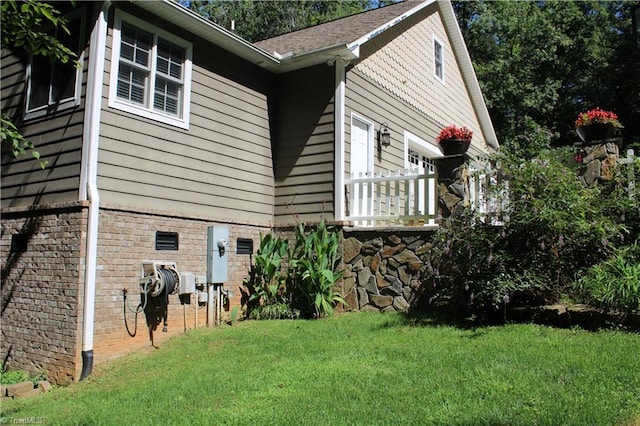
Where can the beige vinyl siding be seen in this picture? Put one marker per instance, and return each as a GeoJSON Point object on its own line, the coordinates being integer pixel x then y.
{"type": "Point", "coordinates": [363, 97]}
{"type": "Point", "coordinates": [220, 167]}
{"type": "Point", "coordinates": [404, 67]}
{"type": "Point", "coordinates": [57, 137]}
{"type": "Point", "coordinates": [304, 145]}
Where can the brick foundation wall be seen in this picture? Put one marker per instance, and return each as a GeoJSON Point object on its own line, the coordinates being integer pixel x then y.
{"type": "Point", "coordinates": [42, 283]}
{"type": "Point", "coordinates": [126, 239]}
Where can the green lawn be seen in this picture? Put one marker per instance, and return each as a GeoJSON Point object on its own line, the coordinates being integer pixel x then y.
{"type": "Point", "coordinates": [359, 369]}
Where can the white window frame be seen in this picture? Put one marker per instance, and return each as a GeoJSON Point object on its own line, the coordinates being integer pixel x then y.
{"type": "Point", "coordinates": [66, 103]}
{"type": "Point", "coordinates": [436, 59]}
{"type": "Point", "coordinates": [142, 110]}
{"type": "Point", "coordinates": [412, 141]}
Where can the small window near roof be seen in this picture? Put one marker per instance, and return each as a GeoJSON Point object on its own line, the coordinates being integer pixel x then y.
{"type": "Point", "coordinates": [438, 59]}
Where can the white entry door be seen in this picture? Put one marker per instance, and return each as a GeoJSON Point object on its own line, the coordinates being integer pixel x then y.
{"type": "Point", "coordinates": [361, 164]}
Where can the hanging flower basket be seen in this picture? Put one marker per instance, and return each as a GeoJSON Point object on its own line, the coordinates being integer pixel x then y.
{"type": "Point", "coordinates": [596, 132]}
{"type": "Point", "coordinates": [454, 140]}
{"type": "Point", "coordinates": [454, 146]}
{"type": "Point", "coordinates": [596, 125]}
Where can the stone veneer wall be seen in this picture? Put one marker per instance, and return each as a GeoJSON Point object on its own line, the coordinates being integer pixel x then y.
{"type": "Point", "coordinates": [383, 267]}
{"type": "Point", "coordinates": [42, 286]}
{"type": "Point", "coordinates": [599, 162]}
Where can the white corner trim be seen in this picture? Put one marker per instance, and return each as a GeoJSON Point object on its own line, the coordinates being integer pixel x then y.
{"type": "Point", "coordinates": [339, 148]}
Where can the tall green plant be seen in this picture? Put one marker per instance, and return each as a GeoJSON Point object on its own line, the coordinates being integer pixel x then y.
{"type": "Point", "coordinates": [312, 269]}
{"type": "Point", "coordinates": [614, 283]}
{"type": "Point", "coordinates": [267, 282]}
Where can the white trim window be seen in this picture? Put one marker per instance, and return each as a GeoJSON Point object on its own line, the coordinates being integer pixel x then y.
{"type": "Point", "coordinates": [438, 59]}
{"type": "Point", "coordinates": [150, 72]}
{"type": "Point", "coordinates": [54, 86]}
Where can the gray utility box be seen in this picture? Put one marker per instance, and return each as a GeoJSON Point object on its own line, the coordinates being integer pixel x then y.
{"type": "Point", "coordinates": [217, 254]}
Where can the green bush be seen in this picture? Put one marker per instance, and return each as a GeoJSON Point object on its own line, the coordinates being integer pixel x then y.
{"type": "Point", "coordinates": [312, 270]}
{"type": "Point", "coordinates": [10, 377]}
{"type": "Point", "coordinates": [274, 311]}
{"type": "Point", "coordinates": [554, 227]}
{"type": "Point", "coordinates": [308, 285]}
{"type": "Point", "coordinates": [267, 284]}
{"type": "Point", "coordinates": [614, 283]}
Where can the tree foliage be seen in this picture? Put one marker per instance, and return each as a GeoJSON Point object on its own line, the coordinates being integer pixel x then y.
{"type": "Point", "coordinates": [540, 63]}
{"type": "Point", "coordinates": [258, 20]}
{"type": "Point", "coordinates": [24, 26]}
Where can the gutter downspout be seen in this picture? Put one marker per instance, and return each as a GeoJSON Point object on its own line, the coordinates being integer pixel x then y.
{"type": "Point", "coordinates": [88, 181]}
{"type": "Point", "coordinates": [338, 119]}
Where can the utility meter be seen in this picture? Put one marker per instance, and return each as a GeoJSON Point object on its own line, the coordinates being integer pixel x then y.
{"type": "Point", "coordinates": [217, 254]}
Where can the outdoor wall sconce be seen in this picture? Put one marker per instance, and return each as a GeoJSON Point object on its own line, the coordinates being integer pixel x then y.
{"type": "Point", "coordinates": [384, 135]}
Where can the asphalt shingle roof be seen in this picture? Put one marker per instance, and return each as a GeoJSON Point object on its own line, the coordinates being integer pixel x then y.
{"type": "Point", "coordinates": [340, 31]}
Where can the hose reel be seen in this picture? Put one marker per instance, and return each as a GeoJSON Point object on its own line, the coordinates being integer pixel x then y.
{"type": "Point", "coordinates": [158, 278]}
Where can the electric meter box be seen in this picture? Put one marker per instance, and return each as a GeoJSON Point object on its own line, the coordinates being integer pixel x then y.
{"type": "Point", "coordinates": [217, 254]}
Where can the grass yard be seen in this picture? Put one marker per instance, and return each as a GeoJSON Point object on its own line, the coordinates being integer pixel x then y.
{"type": "Point", "coordinates": [359, 369]}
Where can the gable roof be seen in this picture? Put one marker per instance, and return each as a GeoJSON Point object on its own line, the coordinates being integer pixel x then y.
{"type": "Point", "coordinates": [343, 38]}
{"type": "Point", "coordinates": [340, 31]}
{"type": "Point", "coordinates": [327, 42]}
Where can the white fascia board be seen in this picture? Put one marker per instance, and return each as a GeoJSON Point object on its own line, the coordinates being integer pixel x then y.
{"type": "Point", "coordinates": [325, 55]}
{"type": "Point", "coordinates": [384, 27]}
{"type": "Point", "coordinates": [468, 73]}
{"type": "Point", "coordinates": [202, 27]}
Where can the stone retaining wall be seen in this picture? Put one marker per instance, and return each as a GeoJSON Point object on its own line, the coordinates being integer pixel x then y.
{"type": "Point", "coordinates": [383, 267]}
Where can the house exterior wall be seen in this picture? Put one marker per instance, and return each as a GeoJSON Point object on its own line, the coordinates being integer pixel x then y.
{"type": "Point", "coordinates": [220, 166]}
{"type": "Point", "coordinates": [304, 145]}
{"type": "Point", "coordinates": [402, 62]}
{"type": "Point", "coordinates": [363, 98]}
{"type": "Point", "coordinates": [42, 289]}
{"type": "Point", "coordinates": [127, 238]}
{"type": "Point", "coordinates": [157, 177]}
{"type": "Point", "coordinates": [57, 136]}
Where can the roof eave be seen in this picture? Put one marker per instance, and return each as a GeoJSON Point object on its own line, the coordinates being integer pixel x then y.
{"type": "Point", "coordinates": [325, 55]}
{"type": "Point", "coordinates": [207, 30]}
{"type": "Point", "coordinates": [388, 25]}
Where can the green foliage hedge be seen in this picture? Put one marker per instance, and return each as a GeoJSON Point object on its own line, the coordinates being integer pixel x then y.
{"type": "Point", "coordinates": [554, 231]}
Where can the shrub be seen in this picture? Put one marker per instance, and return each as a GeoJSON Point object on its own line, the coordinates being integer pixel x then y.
{"type": "Point", "coordinates": [274, 311]}
{"type": "Point", "coordinates": [10, 377]}
{"type": "Point", "coordinates": [555, 228]}
{"type": "Point", "coordinates": [312, 270]}
{"type": "Point", "coordinates": [307, 287]}
{"type": "Point", "coordinates": [267, 282]}
{"type": "Point", "coordinates": [614, 283]}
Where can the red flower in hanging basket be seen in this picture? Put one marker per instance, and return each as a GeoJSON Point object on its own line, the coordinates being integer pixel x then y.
{"type": "Point", "coordinates": [598, 116]}
{"type": "Point", "coordinates": [455, 133]}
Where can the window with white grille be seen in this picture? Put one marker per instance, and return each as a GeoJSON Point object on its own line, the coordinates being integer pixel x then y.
{"type": "Point", "coordinates": [150, 72]}
{"type": "Point", "coordinates": [438, 59]}
{"type": "Point", "coordinates": [54, 86]}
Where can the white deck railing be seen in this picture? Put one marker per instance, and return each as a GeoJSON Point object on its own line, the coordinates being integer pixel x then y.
{"type": "Point", "coordinates": [410, 199]}
{"type": "Point", "coordinates": [401, 197]}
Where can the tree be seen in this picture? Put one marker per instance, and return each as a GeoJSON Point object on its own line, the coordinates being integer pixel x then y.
{"type": "Point", "coordinates": [540, 63]}
{"type": "Point", "coordinates": [258, 20]}
{"type": "Point", "coordinates": [23, 27]}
